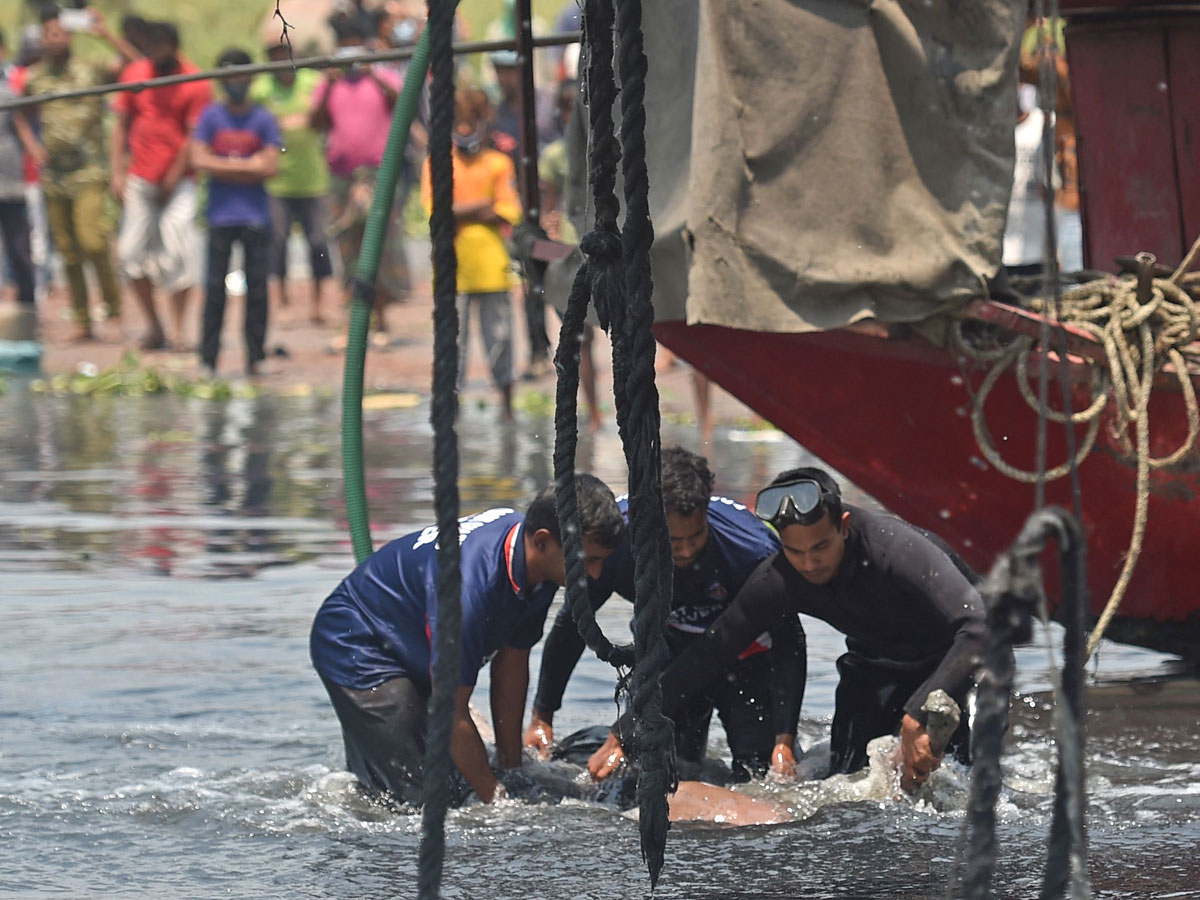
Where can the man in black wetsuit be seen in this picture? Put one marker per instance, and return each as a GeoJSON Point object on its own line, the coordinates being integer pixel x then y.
{"type": "Point", "coordinates": [912, 618]}
{"type": "Point", "coordinates": [715, 545]}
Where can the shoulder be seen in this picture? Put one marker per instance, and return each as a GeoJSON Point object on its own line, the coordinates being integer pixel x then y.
{"type": "Point", "coordinates": [211, 114]}
{"type": "Point", "coordinates": [308, 79]}
{"type": "Point", "coordinates": [897, 546]}
{"type": "Point", "coordinates": [263, 118]}
{"type": "Point", "coordinates": [499, 163]}
{"type": "Point", "coordinates": [388, 76]}
{"type": "Point", "coordinates": [137, 70]}
{"type": "Point", "coordinates": [731, 519]}
{"type": "Point", "coordinates": [260, 87]}
{"type": "Point", "coordinates": [771, 576]}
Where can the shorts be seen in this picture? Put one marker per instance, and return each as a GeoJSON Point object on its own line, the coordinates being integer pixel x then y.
{"type": "Point", "coordinates": [160, 240]}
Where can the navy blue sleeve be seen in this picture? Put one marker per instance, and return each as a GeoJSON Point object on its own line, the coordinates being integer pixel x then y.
{"type": "Point", "coordinates": [528, 630]}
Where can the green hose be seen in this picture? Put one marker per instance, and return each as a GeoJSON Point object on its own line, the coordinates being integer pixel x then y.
{"type": "Point", "coordinates": [353, 476]}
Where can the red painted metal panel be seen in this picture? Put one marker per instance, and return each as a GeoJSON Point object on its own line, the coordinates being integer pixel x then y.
{"type": "Point", "coordinates": [1127, 165]}
{"type": "Point", "coordinates": [1183, 57]}
{"type": "Point", "coordinates": [894, 417]}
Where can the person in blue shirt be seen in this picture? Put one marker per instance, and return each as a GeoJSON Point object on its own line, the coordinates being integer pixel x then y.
{"type": "Point", "coordinates": [237, 143]}
{"type": "Point", "coordinates": [715, 545]}
{"type": "Point", "coordinates": [374, 639]}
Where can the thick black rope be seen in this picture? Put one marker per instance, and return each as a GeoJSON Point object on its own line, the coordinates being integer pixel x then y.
{"type": "Point", "coordinates": [654, 738]}
{"type": "Point", "coordinates": [1013, 595]}
{"type": "Point", "coordinates": [439, 767]}
{"type": "Point", "coordinates": [599, 273]}
{"type": "Point", "coordinates": [1065, 874]}
{"type": "Point", "coordinates": [1067, 851]}
{"type": "Point", "coordinates": [566, 361]}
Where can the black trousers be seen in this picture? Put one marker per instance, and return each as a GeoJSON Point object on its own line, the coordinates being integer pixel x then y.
{"type": "Point", "coordinates": [310, 213]}
{"type": "Point", "coordinates": [742, 699]}
{"type": "Point", "coordinates": [383, 729]}
{"type": "Point", "coordinates": [869, 703]}
{"type": "Point", "coordinates": [255, 241]}
{"type": "Point", "coordinates": [14, 230]}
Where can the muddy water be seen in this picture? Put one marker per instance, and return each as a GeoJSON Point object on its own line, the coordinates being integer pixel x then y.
{"type": "Point", "coordinates": [162, 734]}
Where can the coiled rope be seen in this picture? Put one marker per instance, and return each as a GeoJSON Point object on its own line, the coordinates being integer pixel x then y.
{"type": "Point", "coordinates": [616, 275]}
{"type": "Point", "coordinates": [1142, 323]}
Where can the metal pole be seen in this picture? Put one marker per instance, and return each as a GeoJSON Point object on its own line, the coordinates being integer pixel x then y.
{"type": "Point", "coordinates": [522, 13]}
{"type": "Point", "coordinates": [313, 62]}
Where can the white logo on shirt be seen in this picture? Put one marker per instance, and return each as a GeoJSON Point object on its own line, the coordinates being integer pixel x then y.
{"type": "Point", "coordinates": [466, 525]}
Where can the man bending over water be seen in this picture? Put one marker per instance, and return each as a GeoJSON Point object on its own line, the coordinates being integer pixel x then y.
{"type": "Point", "coordinates": [912, 618]}
{"type": "Point", "coordinates": [715, 545]}
{"type": "Point", "coordinates": [373, 639]}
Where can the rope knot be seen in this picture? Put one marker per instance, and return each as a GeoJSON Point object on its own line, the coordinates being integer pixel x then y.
{"type": "Point", "coordinates": [601, 246]}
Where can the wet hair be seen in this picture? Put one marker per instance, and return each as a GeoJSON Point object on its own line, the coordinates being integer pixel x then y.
{"type": "Point", "coordinates": [48, 12]}
{"type": "Point", "coordinates": [162, 33]}
{"type": "Point", "coordinates": [234, 56]}
{"type": "Point", "coordinates": [598, 512]}
{"type": "Point", "coordinates": [687, 481]}
{"type": "Point", "coordinates": [831, 493]}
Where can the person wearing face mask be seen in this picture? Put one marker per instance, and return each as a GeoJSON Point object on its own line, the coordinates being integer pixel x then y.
{"type": "Point", "coordinates": [158, 241]}
{"type": "Point", "coordinates": [353, 107]}
{"type": "Point", "coordinates": [297, 193]}
{"type": "Point", "coordinates": [69, 151]}
{"type": "Point", "coordinates": [237, 144]}
{"type": "Point", "coordinates": [485, 201]}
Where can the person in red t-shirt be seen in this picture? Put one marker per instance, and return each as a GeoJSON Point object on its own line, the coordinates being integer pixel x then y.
{"type": "Point", "coordinates": [151, 177]}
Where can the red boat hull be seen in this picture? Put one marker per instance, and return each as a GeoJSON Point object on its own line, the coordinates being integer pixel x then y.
{"type": "Point", "coordinates": [894, 416]}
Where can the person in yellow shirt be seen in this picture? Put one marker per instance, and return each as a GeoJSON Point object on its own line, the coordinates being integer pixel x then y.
{"type": "Point", "coordinates": [485, 201]}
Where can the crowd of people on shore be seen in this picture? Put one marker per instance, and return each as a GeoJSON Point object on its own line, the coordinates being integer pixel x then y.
{"type": "Point", "coordinates": [159, 187]}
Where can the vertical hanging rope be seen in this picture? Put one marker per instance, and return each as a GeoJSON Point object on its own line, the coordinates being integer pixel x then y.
{"type": "Point", "coordinates": [439, 767]}
{"type": "Point", "coordinates": [1013, 594]}
{"type": "Point", "coordinates": [1068, 848]}
{"type": "Point", "coordinates": [599, 275]}
{"type": "Point", "coordinates": [654, 738]}
{"type": "Point", "coordinates": [616, 276]}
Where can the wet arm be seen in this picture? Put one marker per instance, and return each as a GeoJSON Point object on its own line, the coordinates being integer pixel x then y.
{"type": "Point", "coordinates": [789, 675]}
{"type": "Point", "coordinates": [510, 681]}
{"type": "Point", "coordinates": [467, 750]}
{"type": "Point", "coordinates": [928, 573]}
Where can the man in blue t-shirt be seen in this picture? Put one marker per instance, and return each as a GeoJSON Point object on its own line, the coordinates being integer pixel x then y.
{"type": "Point", "coordinates": [715, 545]}
{"type": "Point", "coordinates": [237, 143]}
{"type": "Point", "coordinates": [374, 639]}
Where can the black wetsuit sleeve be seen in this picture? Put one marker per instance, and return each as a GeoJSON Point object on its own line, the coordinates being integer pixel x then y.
{"type": "Point", "coordinates": [929, 572]}
{"type": "Point", "coordinates": [756, 608]}
{"type": "Point", "coordinates": [789, 673]}
{"type": "Point", "coordinates": [560, 654]}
